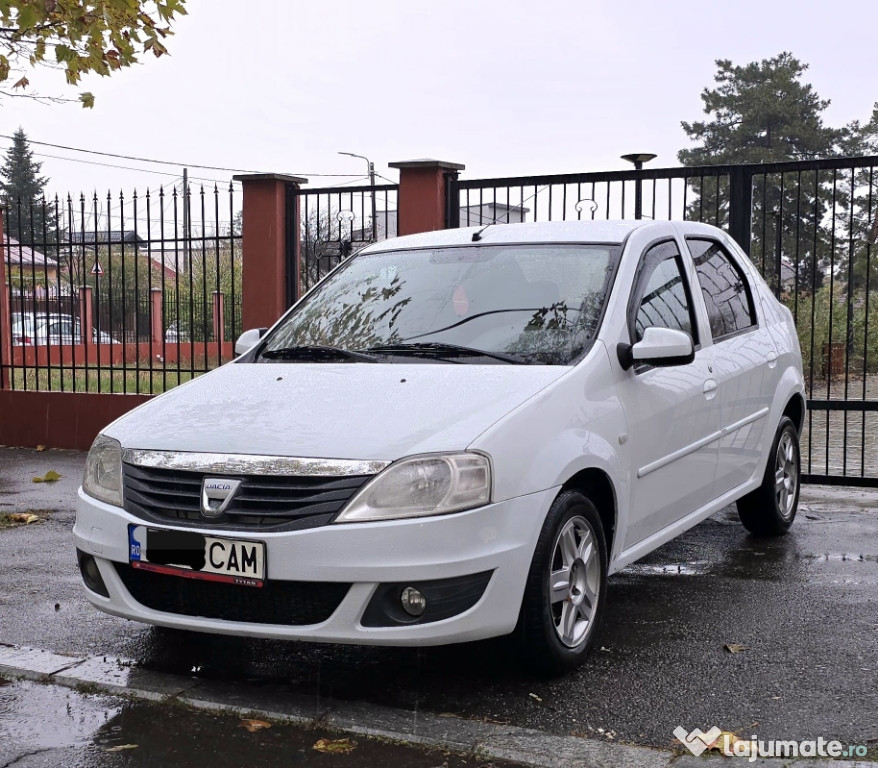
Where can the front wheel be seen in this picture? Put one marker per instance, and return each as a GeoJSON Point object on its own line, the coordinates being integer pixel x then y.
{"type": "Point", "coordinates": [771, 508]}
{"type": "Point", "coordinates": [564, 596]}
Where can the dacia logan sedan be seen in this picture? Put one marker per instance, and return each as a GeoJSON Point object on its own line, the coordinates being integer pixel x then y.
{"type": "Point", "coordinates": [454, 436]}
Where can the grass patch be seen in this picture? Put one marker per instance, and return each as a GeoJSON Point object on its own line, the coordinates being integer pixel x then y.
{"type": "Point", "coordinates": [128, 380]}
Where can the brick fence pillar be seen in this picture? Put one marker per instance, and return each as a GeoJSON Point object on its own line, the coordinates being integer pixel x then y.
{"type": "Point", "coordinates": [219, 317]}
{"type": "Point", "coordinates": [266, 284]}
{"type": "Point", "coordinates": [5, 317]}
{"type": "Point", "coordinates": [156, 317]}
{"type": "Point", "coordinates": [86, 315]}
{"type": "Point", "coordinates": [422, 194]}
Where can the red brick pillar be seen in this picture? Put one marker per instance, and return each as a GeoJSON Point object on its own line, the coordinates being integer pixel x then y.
{"type": "Point", "coordinates": [265, 227]}
{"type": "Point", "coordinates": [422, 194]}
{"type": "Point", "coordinates": [86, 314]}
{"type": "Point", "coordinates": [156, 317]}
{"type": "Point", "coordinates": [219, 318]}
{"type": "Point", "coordinates": [5, 316]}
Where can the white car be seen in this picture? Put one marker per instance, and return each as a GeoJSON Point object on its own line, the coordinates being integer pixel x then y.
{"type": "Point", "coordinates": [40, 329]}
{"type": "Point", "coordinates": [455, 435]}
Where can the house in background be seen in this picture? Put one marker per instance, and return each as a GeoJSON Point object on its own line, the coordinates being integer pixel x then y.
{"type": "Point", "coordinates": [29, 272]}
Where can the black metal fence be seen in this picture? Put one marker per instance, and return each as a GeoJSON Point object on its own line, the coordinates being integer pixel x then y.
{"type": "Point", "coordinates": [335, 222]}
{"type": "Point", "coordinates": [118, 293]}
{"type": "Point", "coordinates": [810, 227]}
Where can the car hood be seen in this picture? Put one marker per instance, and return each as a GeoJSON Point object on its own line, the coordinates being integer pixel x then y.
{"type": "Point", "coordinates": [325, 410]}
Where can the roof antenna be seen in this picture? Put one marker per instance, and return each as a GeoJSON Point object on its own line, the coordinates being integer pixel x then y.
{"type": "Point", "coordinates": [478, 235]}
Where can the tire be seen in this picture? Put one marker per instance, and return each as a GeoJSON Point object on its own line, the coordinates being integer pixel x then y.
{"type": "Point", "coordinates": [771, 508]}
{"type": "Point", "coordinates": [556, 632]}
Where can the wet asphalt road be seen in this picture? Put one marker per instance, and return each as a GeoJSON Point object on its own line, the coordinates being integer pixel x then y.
{"type": "Point", "coordinates": [44, 726]}
{"type": "Point", "coordinates": [805, 607]}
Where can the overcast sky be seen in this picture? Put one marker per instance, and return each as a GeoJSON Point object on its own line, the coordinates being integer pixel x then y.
{"type": "Point", "coordinates": [507, 88]}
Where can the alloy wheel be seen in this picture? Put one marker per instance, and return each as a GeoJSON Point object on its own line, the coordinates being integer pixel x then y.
{"type": "Point", "coordinates": [574, 581]}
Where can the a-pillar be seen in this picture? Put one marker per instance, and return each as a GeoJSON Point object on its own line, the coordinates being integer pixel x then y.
{"type": "Point", "coordinates": [422, 190]}
{"type": "Point", "coordinates": [270, 218]}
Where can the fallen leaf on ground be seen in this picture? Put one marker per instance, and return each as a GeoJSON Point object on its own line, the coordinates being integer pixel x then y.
{"type": "Point", "coordinates": [50, 477]}
{"type": "Point", "coordinates": [335, 745]}
{"type": "Point", "coordinates": [725, 740]}
{"type": "Point", "coordinates": [735, 647]}
{"type": "Point", "coordinates": [22, 517]}
{"type": "Point", "coordinates": [534, 696]}
{"type": "Point", "coordinates": [121, 747]}
{"type": "Point", "coordinates": [254, 725]}
{"type": "Point", "coordinates": [41, 448]}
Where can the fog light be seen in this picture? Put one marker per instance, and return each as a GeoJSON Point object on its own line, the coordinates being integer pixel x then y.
{"type": "Point", "coordinates": [91, 574]}
{"type": "Point", "coordinates": [413, 602]}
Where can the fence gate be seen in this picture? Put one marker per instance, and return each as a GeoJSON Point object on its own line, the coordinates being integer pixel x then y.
{"type": "Point", "coordinates": [810, 227]}
{"type": "Point", "coordinates": [334, 222]}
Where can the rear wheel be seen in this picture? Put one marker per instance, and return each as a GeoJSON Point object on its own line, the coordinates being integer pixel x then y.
{"type": "Point", "coordinates": [564, 597]}
{"type": "Point", "coordinates": [771, 508]}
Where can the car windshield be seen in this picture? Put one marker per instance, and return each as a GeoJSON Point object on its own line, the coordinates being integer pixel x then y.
{"type": "Point", "coordinates": [487, 303]}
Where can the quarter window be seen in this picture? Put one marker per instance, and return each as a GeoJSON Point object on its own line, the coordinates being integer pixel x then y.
{"type": "Point", "coordinates": [664, 299]}
{"type": "Point", "coordinates": [724, 288]}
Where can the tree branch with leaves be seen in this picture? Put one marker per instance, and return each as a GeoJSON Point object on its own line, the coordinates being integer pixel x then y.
{"type": "Point", "coordinates": [79, 37]}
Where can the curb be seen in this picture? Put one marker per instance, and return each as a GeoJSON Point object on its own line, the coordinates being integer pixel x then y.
{"type": "Point", "coordinates": [525, 746]}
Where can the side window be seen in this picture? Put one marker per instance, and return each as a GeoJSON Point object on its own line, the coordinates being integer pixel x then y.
{"type": "Point", "coordinates": [662, 296]}
{"type": "Point", "coordinates": [724, 288]}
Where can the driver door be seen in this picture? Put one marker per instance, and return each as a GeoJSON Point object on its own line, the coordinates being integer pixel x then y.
{"type": "Point", "coordinates": [672, 412]}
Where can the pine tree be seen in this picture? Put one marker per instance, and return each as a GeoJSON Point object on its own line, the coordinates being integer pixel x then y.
{"type": "Point", "coordinates": [27, 216]}
{"type": "Point", "coordinates": [763, 112]}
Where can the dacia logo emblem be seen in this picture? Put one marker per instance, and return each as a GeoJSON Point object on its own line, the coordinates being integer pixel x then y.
{"type": "Point", "coordinates": [216, 495]}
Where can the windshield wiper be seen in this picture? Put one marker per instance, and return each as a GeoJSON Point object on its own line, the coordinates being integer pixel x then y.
{"type": "Point", "coordinates": [440, 349]}
{"type": "Point", "coordinates": [317, 352]}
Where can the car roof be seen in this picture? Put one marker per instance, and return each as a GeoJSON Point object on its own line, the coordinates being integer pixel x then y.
{"type": "Point", "coordinates": [529, 232]}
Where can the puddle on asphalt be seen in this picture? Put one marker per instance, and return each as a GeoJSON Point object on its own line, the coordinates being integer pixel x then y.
{"type": "Point", "coordinates": [97, 731]}
{"type": "Point", "coordinates": [692, 568]}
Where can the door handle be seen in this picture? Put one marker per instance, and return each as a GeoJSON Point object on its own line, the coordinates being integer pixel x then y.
{"type": "Point", "coordinates": [709, 389]}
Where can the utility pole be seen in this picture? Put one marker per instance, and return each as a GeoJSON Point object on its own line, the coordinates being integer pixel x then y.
{"type": "Point", "coordinates": [185, 219]}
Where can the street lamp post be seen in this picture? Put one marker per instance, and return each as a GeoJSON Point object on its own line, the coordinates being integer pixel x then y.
{"type": "Point", "coordinates": [371, 167]}
{"type": "Point", "coordinates": [638, 159]}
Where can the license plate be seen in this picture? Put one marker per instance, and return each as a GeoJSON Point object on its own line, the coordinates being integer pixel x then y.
{"type": "Point", "coordinates": [196, 555]}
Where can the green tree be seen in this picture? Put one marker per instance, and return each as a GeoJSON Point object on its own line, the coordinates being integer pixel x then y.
{"type": "Point", "coordinates": [26, 216]}
{"type": "Point", "coordinates": [764, 112]}
{"type": "Point", "coordinates": [80, 36]}
{"type": "Point", "coordinates": [858, 200]}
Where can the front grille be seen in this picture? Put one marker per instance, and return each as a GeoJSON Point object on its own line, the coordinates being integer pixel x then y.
{"type": "Point", "coordinates": [265, 502]}
{"type": "Point", "coordinates": [276, 602]}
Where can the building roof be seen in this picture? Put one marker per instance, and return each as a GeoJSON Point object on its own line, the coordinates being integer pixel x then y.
{"type": "Point", "coordinates": [24, 255]}
{"type": "Point", "coordinates": [107, 237]}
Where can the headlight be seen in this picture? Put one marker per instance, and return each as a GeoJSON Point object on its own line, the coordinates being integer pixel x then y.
{"type": "Point", "coordinates": [423, 485]}
{"type": "Point", "coordinates": [103, 471]}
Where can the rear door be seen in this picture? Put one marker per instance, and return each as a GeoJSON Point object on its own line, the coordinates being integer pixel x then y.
{"type": "Point", "coordinates": [745, 360]}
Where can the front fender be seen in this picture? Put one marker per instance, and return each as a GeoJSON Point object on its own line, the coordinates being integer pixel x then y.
{"type": "Point", "coordinates": [576, 423]}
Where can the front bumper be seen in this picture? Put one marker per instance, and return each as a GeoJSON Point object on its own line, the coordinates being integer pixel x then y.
{"type": "Point", "coordinates": [499, 538]}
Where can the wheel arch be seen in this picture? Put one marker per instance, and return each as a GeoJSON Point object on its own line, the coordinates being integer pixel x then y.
{"type": "Point", "coordinates": [597, 486]}
{"type": "Point", "coordinates": [795, 409]}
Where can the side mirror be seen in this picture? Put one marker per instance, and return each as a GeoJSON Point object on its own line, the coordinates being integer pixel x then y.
{"type": "Point", "coordinates": [659, 347]}
{"type": "Point", "coordinates": [247, 340]}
